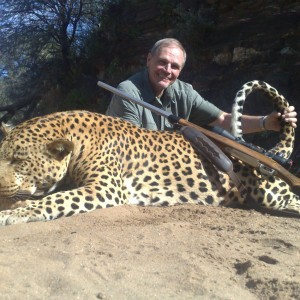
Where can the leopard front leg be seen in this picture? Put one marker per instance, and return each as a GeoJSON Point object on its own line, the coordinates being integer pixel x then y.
{"type": "Point", "coordinates": [65, 203]}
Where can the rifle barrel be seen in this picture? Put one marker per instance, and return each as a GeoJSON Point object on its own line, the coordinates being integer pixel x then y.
{"type": "Point", "coordinates": [123, 95]}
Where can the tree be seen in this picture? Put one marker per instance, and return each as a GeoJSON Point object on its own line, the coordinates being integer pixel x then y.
{"type": "Point", "coordinates": [40, 40]}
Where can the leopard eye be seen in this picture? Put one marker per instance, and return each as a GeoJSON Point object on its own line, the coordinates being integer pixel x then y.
{"type": "Point", "coordinates": [14, 160]}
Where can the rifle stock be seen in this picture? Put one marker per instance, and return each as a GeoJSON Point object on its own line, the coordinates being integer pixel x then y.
{"type": "Point", "coordinates": [247, 155]}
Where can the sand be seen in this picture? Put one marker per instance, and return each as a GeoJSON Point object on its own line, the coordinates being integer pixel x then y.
{"type": "Point", "coordinates": [181, 252]}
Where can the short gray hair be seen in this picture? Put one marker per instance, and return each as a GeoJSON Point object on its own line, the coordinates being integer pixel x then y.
{"type": "Point", "coordinates": [166, 43]}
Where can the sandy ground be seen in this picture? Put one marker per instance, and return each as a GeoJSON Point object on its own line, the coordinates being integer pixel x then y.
{"type": "Point", "coordinates": [181, 252]}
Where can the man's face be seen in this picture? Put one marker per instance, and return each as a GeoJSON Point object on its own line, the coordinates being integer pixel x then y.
{"type": "Point", "coordinates": [164, 67]}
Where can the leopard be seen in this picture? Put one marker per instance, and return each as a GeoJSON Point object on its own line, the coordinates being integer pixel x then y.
{"type": "Point", "coordinates": [72, 162]}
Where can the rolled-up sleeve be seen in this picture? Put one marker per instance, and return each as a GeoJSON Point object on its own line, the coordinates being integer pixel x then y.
{"type": "Point", "coordinates": [203, 112]}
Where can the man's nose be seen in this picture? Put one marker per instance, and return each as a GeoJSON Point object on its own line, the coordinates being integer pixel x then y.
{"type": "Point", "coordinates": [168, 68]}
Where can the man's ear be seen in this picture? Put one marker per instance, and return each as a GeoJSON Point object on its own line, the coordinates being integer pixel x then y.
{"type": "Point", "coordinates": [60, 148]}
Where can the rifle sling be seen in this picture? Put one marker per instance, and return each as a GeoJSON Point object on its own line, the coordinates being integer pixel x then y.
{"type": "Point", "coordinates": [210, 151]}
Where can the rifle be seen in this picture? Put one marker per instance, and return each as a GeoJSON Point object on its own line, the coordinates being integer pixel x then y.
{"type": "Point", "coordinates": [253, 156]}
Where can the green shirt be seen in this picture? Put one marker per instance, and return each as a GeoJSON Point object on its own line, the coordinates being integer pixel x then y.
{"type": "Point", "coordinates": [179, 99]}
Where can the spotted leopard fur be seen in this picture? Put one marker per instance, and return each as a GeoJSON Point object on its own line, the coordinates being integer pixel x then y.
{"type": "Point", "coordinates": [109, 162]}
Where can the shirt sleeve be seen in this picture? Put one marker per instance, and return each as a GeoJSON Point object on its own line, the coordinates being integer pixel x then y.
{"type": "Point", "coordinates": [203, 112]}
{"type": "Point", "coordinates": [124, 109]}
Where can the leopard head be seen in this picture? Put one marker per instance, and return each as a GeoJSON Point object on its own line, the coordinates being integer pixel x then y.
{"type": "Point", "coordinates": [31, 167]}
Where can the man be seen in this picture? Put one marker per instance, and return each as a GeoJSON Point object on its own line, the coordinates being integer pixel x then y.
{"type": "Point", "coordinates": [159, 85]}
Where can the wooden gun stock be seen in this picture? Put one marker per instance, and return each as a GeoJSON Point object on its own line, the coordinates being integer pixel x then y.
{"type": "Point", "coordinates": [253, 158]}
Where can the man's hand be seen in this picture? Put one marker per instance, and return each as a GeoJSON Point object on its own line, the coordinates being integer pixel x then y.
{"type": "Point", "coordinates": [273, 120]}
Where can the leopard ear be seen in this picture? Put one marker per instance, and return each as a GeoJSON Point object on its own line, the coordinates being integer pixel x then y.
{"type": "Point", "coordinates": [6, 128]}
{"type": "Point", "coordinates": [60, 148]}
